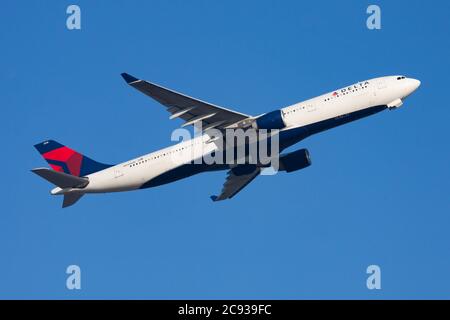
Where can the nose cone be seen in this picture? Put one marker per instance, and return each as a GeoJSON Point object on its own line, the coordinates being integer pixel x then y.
{"type": "Point", "coordinates": [413, 84]}
{"type": "Point", "coordinates": [409, 86]}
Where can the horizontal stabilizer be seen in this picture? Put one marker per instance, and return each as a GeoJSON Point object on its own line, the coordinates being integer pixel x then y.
{"type": "Point", "coordinates": [61, 179]}
{"type": "Point", "coordinates": [71, 198]}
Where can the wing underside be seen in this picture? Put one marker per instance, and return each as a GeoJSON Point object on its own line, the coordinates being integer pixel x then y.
{"type": "Point", "coordinates": [235, 182]}
{"type": "Point", "coordinates": [189, 109]}
{"type": "Point", "coordinates": [193, 111]}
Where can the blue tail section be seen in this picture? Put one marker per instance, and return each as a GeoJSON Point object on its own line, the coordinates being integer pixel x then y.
{"type": "Point", "coordinates": [64, 159]}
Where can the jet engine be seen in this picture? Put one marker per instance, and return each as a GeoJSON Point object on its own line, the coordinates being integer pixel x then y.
{"type": "Point", "coordinates": [270, 120]}
{"type": "Point", "coordinates": [294, 161]}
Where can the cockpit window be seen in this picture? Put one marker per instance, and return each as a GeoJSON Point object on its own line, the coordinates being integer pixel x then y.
{"type": "Point", "coordinates": [400, 78]}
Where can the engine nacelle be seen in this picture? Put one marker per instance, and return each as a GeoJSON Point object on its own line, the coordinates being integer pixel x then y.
{"type": "Point", "coordinates": [270, 120]}
{"type": "Point", "coordinates": [295, 160]}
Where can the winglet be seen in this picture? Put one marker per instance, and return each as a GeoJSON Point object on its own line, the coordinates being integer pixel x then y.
{"type": "Point", "coordinates": [213, 198]}
{"type": "Point", "coordinates": [128, 78]}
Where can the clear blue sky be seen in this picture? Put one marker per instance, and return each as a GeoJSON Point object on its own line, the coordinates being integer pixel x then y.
{"type": "Point", "coordinates": [377, 192]}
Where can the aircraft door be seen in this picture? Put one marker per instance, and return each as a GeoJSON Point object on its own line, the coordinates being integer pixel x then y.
{"type": "Point", "coordinates": [381, 84]}
{"type": "Point", "coordinates": [118, 173]}
{"type": "Point", "coordinates": [311, 107]}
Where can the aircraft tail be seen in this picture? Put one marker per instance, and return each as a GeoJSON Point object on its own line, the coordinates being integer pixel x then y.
{"type": "Point", "coordinates": [64, 181]}
{"type": "Point", "coordinates": [61, 179]}
{"type": "Point", "coordinates": [69, 170]}
{"type": "Point", "coordinates": [71, 198]}
{"type": "Point", "coordinates": [63, 159]}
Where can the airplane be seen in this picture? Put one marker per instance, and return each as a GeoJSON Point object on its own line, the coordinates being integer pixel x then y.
{"type": "Point", "coordinates": [75, 174]}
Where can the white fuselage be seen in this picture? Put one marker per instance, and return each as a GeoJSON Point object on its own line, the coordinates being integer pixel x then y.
{"type": "Point", "coordinates": [385, 91]}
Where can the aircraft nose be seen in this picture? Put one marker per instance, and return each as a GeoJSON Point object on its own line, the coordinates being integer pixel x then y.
{"type": "Point", "coordinates": [413, 84]}
{"type": "Point", "coordinates": [410, 86]}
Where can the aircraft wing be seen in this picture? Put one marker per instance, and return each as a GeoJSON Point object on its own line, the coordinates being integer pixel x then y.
{"type": "Point", "coordinates": [236, 181]}
{"type": "Point", "coordinates": [187, 108]}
